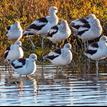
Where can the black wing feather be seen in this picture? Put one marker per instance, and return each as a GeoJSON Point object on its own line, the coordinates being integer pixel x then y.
{"type": "Point", "coordinates": [8, 28]}
{"type": "Point", "coordinates": [58, 51]}
{"type": "Point", "coordinates": [86, 25]}
{"type": "Point", "coordinates": [22, 60]}
{"type": "Point", "coordinates": [44, 20]}
{"type": "Point", "coordinates": [91, 52]}
{"type": "Point", "coordinates": [81, 32]}
{"type": "Point", "coordinates": [95, 45]}
{"type": "Point", "coordinates": [76, 26]}
{"type": "Point", "coordinates": [6, 53]}
{"type": "Point", "coordinates": [83, 20]}
{"type": "Point", "coordinates": [35, 27]}
{"type": "Point", "coordinates": [8, 48]}
{"type": "Point", "coordinates": [52, 57]}
{"type": "Point", "coordinates": [50, 34]}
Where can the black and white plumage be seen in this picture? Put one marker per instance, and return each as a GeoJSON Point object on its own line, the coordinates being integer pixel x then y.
{"type": "Point", "coordinates": [54, 53]}
{"type": "Point", "coordinates": [25, 66]}
{"type": "Point", "coordinates": [14, 52]}
{"type": "Point", "coordinates": [92, 29]}
{"type": "Point", "coordinates": [61, 56]}
{"type": "Point", "coordinates": [82, 22]}
{"type": "Point", "coordinates": [59, 32]}
{"type": "Point", "coordinates": [97, 51]}
{"type": "Point", "coordinates": [93, 46]}
{"type": "Point", "coordinates": [15, 31]}
{"type": "Point", "coordinates": [79, 24]}
{"type": "Point", "coordinates": [42, 26]}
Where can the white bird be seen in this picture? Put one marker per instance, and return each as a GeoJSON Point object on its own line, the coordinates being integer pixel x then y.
{"type": "Point", "coordinates": [93, 32]}
{"type": "Point", "coordinates": [25, 66]}
{"type": "Point", "coordinates": [61, 56]}
{"type": "Point", "coordinates": [89, 27]}
{"type": "Point", "coordinates": [59, 32]}
{"type": "Point", "coordinates": [15, 31]}
{"type": "Point", "coordinates": [97, 51]}
{"type": "Point", "coordinates": [14, 52]}
{"type": "Point", "coordinates": [42, 25]}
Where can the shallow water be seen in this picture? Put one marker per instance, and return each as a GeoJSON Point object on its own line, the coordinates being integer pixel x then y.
{"type": "Point", "coordinates": [61, 89]}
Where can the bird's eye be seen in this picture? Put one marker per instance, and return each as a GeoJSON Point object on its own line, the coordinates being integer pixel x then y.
{"type": "Point", "coordinates": [33, 57]}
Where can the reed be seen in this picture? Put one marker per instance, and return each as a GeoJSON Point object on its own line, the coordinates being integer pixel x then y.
{"type": "Point", "coordinates": [28, 10]}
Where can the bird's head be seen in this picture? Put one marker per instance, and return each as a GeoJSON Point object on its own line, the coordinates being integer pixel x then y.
{"type": "Point", "coordinates": [90, 17]}
{"type": "Point", "coordinates": [103, 38]}
{"type": "Point", "coordinates": [18, 43]}
{"type": "Point", "coordinates": [53, 9]}
{"type": "Point", "coordinates": [68, 46]}
{"type": "Point", "coordinates": [33, 57]}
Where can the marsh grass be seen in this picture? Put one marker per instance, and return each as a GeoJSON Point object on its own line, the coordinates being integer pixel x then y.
{"type": "Point", "coordinates": [28, 10]}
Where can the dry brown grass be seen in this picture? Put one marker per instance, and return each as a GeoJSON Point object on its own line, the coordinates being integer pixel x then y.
{"type": "Point", "coordinates": [28, 10]}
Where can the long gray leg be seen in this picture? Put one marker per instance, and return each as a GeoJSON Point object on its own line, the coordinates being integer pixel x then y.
{"type": "Point", "coordinates": [42, 45]}
{"type": "Point", "coordinates": [33, 46]}
{"type": "Point", "coordinates": [97, 69]}
{"type": "Point", "coordinates": [84, 45]}
{"type": "Point", "coordinates": [62, 67]}
{"type": "Point", "coordinates": [57, 69]}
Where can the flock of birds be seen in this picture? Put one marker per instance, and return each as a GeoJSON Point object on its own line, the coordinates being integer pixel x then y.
{"type": "Point", "coordinates": [86, 28]}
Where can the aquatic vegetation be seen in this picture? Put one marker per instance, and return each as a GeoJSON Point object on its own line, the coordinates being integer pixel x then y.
{"type": "Point", "coordinates": [28, 10]}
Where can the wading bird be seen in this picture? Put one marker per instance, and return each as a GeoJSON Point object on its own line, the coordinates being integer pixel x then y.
{"type": "Point", "coordinates": [60, 57]}
{"type": "Point", "coordinates": [14, 31]}
{"type": "Point", "coordinates": [97, 51]}
{"type": "Point", "coordinates": [25, 66]}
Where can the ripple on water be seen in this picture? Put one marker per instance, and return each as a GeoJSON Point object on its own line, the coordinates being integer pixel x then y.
{"type": "Point", "coordinates": [55, 92]}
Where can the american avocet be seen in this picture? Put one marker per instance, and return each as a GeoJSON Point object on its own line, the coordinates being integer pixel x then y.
{"type": "Point", "coordinates": [89, 30]}
{"type": "Point", "coordinates": [93, 32]}
{"type": "Point", "coordinates": [42, 26]}
{"type": "Point", "coordinates": [25, 66]}
{"type": "Point", "coordinates": [59, 32]}
{"type": "Point", "coordinates": [15, 31]}
{"type": "Point", "coordinates": [97, 51]}
{"type": "Point", "coordinates": [61, 56]}
{"type": "Point", "coordinates": [14, 52]}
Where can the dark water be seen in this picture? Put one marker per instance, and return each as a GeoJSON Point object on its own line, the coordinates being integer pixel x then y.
{"type": "Point", "coordinates": [61, 89]}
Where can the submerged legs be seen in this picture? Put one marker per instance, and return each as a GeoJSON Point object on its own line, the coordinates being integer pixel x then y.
{"type": "Point", "coordinates": [42, 45]}
{"type": "Point", "coordinates": [97, 69]}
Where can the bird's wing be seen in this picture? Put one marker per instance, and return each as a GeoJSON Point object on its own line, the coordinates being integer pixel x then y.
{"type": "Point", "coordinates": [91, 52]}
{"type": "Point", "coordinates": [52, 31]}
{"type": "Point", "coordinates": [18, 63]}
{"type": "Point", "coordinates": [40, 21]}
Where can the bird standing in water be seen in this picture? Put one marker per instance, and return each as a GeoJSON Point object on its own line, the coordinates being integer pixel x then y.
{"type": "Point", "coordinates": [13, 52]}
{"type": "Point", "coordinates": [60, 57]}
{"type": "Point", "coordinates": [25, 66]}
{"type": "Point", "coordinates": [97, 51]}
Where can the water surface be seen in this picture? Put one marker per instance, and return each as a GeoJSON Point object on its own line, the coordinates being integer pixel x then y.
{"type": "Point", "coordinates": [58, 89]}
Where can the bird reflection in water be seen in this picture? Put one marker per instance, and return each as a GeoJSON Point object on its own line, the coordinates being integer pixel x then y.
{"type": "Point", "coordinates": [24, 85]}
